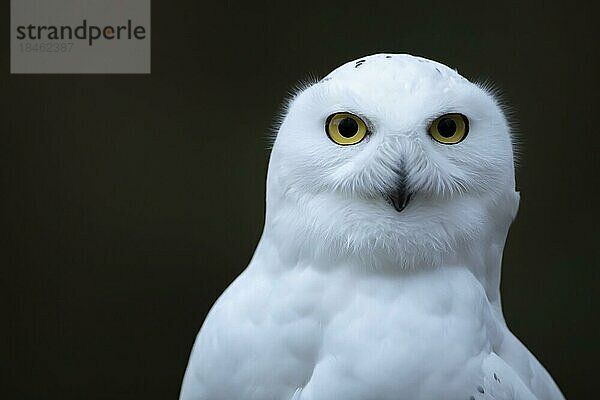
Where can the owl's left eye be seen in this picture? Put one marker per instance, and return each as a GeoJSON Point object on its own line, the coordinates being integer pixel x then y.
{"type": "Point", "coordinates": [345, 128]}
{"type": "Point", "coordinates": [449, 128]}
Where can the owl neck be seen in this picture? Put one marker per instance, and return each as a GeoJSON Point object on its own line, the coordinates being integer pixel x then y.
{"type": "Point", "coordinates": [303, 233]}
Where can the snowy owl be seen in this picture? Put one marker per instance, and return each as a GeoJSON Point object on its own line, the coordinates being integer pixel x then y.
{"type": "Point", "coordinates": [390, 192]}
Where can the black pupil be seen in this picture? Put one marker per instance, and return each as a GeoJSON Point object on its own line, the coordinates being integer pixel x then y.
{"type": "Point", "coordinates": [446, 127]}
{"type": "Point", "coordinates": [348, 127]}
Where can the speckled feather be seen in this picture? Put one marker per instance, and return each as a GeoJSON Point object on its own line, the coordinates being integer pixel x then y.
{"type": "Point", "coordinates": [346, 298]}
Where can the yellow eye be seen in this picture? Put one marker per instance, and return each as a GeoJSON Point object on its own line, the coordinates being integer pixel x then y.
{"type": "Point", "coordinates": [345, 128]}
{"type": "Point", "coordinates": [449, 128]}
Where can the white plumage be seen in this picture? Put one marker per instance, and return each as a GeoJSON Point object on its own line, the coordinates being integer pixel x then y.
{"type": "Point", "coordinates": [348, 298]}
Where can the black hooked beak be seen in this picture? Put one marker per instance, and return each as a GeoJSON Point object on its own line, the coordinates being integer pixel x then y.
{"type": "Point", "coordinates": [398, 197]}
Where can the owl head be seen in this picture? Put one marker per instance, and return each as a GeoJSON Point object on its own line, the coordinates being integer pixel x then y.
{"type": "Point", "coordinates": [390, 161]}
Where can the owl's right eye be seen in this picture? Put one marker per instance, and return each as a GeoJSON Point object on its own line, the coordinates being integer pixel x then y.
{"type": "Point", "coordinates": [345, 128]}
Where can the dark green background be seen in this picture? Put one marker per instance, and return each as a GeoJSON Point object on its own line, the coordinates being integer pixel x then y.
{"type": "Point", "coordinates": [130, 202]}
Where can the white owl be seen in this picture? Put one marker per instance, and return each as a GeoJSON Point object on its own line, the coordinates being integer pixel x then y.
{"type": "Point", "coordinates": [390, 192]}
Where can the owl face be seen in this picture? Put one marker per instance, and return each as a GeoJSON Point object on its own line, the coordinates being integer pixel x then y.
{"type": "Point", "coordinates": [392, 157]}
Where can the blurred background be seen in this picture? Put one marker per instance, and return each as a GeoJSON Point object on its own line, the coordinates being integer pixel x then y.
{"type": "Point", "coordinates": [129, 203]}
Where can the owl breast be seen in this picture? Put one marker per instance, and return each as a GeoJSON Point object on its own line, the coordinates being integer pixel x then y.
{"type": "Point", "coordinates": [311, 333]}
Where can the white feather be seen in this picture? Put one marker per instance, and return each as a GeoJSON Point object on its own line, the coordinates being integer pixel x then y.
{"type": "Point", "coordinates": [346, 298]}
